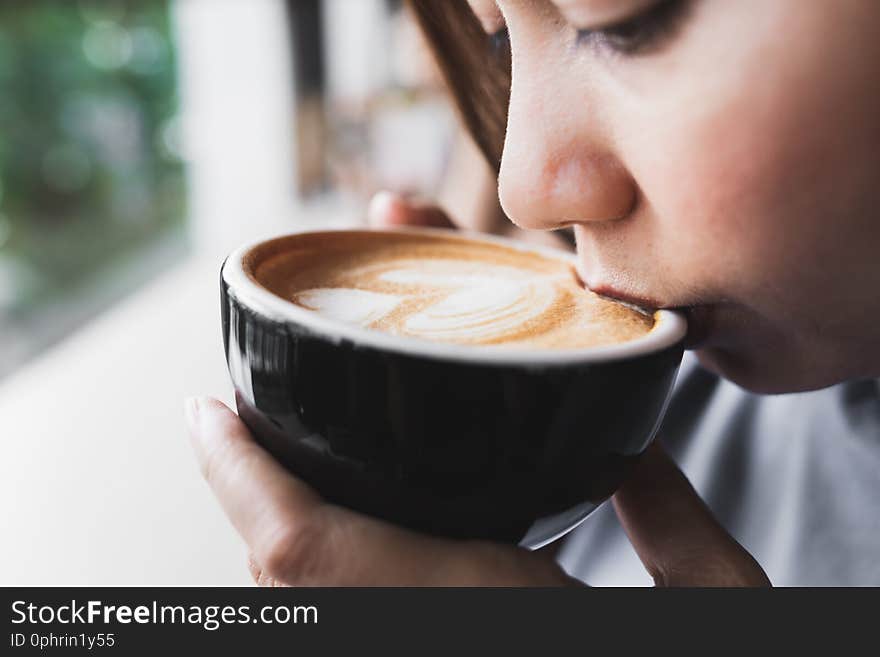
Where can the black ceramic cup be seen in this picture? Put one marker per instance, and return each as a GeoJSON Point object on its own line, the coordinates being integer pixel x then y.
{"type": "Point", "coordinates": [458, 441]}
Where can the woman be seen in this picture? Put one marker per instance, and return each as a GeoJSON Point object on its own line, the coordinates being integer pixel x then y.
{"type": "Point", "coordinates": [711, 156]}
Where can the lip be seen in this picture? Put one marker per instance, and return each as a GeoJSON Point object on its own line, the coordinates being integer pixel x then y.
{"type": "Point", "coordinates": [644, 304]}
{"type": "Point", "coordinates": [699, 318]}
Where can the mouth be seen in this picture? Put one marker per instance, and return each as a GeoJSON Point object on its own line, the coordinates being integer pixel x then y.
{"type": "Point", "coordinates": [699, 317]}
{"type": "Point", "coordinates": [642, 304]}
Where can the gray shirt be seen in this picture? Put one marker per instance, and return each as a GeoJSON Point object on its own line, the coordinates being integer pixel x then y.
{"type": "Point", "coordinates": [794, 478]}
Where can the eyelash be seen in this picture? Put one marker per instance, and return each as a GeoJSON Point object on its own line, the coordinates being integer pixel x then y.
{"type": "Point", "coordinates": [633, 36]}
{"type": "Point", "coordinates": [640, 33]}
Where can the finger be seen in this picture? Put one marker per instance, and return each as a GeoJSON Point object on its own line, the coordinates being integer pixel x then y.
{"type": "Point", "coordinates": [260, 576]}
{"type": "Point", "coordinates": [265, 504]}
{"type": "Point", "coordinates": [369, 552]}
{"type": "Point", "coordinates": [675, 535]}
{"type": "Point", "coordinates": [550, 550]}
{"type": "Point", "coordinates": [388, 210]}
{"type": "Point", "coordinates": [297, 539]}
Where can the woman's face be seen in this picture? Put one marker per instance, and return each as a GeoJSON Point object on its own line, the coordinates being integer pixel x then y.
{"type": "Point", "coordinates": [715, 155]}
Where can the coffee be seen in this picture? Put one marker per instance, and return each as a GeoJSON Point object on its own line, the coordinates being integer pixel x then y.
{"type": "Point", "coordinates": [443, 288]}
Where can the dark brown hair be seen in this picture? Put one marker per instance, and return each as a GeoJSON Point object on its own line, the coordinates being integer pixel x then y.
{"type": "Point", "coordinates": [476, 70]}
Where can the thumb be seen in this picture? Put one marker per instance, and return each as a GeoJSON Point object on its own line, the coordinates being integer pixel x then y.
{"type": "Point", "coordinates": [389, 210]}
{"type": "Point", "coordinates": [675, 535]}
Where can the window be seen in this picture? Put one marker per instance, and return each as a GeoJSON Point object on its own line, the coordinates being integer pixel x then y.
{"type": "Point", "coordinates": [92, 187]}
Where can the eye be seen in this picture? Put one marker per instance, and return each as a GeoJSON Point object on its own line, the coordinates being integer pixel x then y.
{"type": "Point", "coordinates": [638, 34]}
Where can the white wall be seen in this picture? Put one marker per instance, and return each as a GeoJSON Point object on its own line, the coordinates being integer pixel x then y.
{"type": "Point", "coordinates": [238, 107]}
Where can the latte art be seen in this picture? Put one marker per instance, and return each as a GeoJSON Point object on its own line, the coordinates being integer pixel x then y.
{"type": "Point", "coordinates": [449, 290]}
{"type": "Point", "coordinates": [457, 302]}
{"type": "Point", "coordinates": [486, 313]}
{"type": "Point", "coordinates": [351, 306]}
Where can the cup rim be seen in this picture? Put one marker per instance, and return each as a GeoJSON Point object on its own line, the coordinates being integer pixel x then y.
{"type": "Point", "coordinates": [670, 327]}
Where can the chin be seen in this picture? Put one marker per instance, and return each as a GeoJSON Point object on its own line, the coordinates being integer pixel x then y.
{"type": "Point", "coordinates": [770, 372]}
{"type": "Point", "coordinates": [738, 370]}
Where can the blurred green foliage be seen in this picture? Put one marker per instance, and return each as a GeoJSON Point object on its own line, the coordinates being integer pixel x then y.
{"type": "Point", "coordinates": [90, 166]}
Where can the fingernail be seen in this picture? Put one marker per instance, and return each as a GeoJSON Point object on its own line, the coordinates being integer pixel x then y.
{"type": "Point", "coordinates": [381, 204]}
{"type": "Point", "coordinates": [191, 411]}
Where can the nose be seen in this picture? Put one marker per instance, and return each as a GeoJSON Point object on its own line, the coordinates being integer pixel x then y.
{"type": "Point", "coordinates": [559, 167]}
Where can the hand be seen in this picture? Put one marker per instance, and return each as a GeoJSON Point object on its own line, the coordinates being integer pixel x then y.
{"type": "Point", "coordinates": [298, 539]}
{"type": "Point", "coordinates": [389, 210]}
{"type": "Point", "coordinates": [675, 535]}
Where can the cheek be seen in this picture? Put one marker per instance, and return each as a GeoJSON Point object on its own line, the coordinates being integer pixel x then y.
{"type": "Point", "coordinates": [732, 220]}
{"type": "Point", "coordinates": [743, 173]}
{"type": "Point", "coordinates": [758, 162]}
{"type": "Point", "coordinates": [713, 210]}
{"type": "Point", "coordinates": [736, 218]}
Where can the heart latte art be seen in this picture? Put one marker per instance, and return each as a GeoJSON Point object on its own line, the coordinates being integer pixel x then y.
{"type": "Point", "coordinates": [446, 289]}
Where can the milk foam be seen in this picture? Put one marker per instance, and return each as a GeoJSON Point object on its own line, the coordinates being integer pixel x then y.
{"type": "Point", "coordinates": [351, 306]}
{"type": "Point", "coordinates": [446, 289]}
{"type": "Point", "coordinates": [490, 309]}
{"type": "Point", "coordinates": [443, 273]}
{"type": "Point", "coordinates": [484, 303]}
